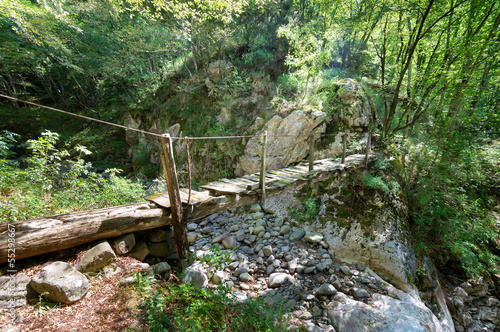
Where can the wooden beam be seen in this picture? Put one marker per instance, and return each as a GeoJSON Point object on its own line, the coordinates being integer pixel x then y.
{"type": "Point", "coordinates": [44, 235]}
{"type": "Point", "coordinates": [168, 162]}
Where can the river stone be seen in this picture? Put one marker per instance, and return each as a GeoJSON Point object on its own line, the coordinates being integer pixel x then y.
{"type": "Point", "coordinates": [96, 258]}
{"type": "Point", "coordinates": [326, 289]}
{"type": "Point", "coordinates": [284, 229]}
{"type": "Point", "coordinates": [229, 242]}
{"type": "Point", "coordinates": [240, 235]}
{"type": "Point", "coordinates": [220, 237]}
{"type": "Point", "coordinates": [192, 237]}
{"type": "Point", "coordinates": [196, 278]}
{"type": "Point", "coordinates": [257, 230]}
{"type": "Point", "coordinates": [234, 228]}
{"type": "Point", "coordinates": [192, 226]}
{"type": "Point", "coordinates": [360, 293]}
{"type": "Point", "coordinates": [162, 269]}
{"type": "Point", "coordinates": [124, 243]}
{"type": "Point", "coordinates": [268, 250]}
{"type": "Point", "coordinates": [277, 279]}
{"type": "Point", "coordinates": [257, 215]}
{"type": "Point", "coordinates": [254, 208]}
{"type": "Point", "coordinates": [62, 282]}
{"type": "Point", "coordinates": [278, 222]}
{"type": "Point", "coordinates": [297, 235]}
{"type": "Point", "coordinates": [313, 237]}
{"type": "Point", "coordinates": [140, 251]}
{"type": "Point", "coordinates": [245, 277]}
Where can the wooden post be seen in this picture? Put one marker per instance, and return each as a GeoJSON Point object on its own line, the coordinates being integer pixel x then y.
{"type": "Point", "coordinates": [344, 145]}
{"type": "Point", "coordinates": [311, 153]}
{"type": "Point", "coordinates": [167, 159]}
{"type": "Point", "coordinates": [368, 143]}
{"type": "Point", "coordinates": [262, 179]}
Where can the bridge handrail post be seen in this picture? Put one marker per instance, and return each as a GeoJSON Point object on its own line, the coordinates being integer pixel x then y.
{"type": "Point", "coordinates": [311, 153]}
{"type": "Point", "coordinates": [262, 178]}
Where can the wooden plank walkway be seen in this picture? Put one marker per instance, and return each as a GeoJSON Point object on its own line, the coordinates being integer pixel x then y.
{"type": "Point", "coordinates": [43, 235]}
{"type": "Point", "coordinates": [225, 194]}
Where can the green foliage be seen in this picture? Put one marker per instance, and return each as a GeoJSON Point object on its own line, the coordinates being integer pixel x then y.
{"type": "Point", "coordinates": [308, 211]}
{"type": "Point", "coordinates": [216, 260]}
{"type": "Point", "coordinates": [187, 308]}
{"type": "Point", "coordinates": [55, 183]}
{"type": "Point", "coordinates": [450, 206]}
{"type": "Point", "coordinates": [375, 182]}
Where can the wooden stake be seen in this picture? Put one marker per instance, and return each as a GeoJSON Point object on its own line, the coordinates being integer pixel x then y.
{"type": "Point", "coordinates": [262, 179]}
{"type": "Point", "coordinates": [168, 162]}
{"type": "Point", "coordinates": [311, 153]}
{"type": "Point", "coordinates": [368, 146]}
{"type": "Point", "coordinates": [344, 145]}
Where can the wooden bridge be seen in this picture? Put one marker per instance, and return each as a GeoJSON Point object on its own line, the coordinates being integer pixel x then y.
{"type": "Point", "coordinates": [49, 234]}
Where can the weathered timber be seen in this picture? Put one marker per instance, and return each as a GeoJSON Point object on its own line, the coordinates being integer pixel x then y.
{"type": "Point", "coordinates": [221, 188]}
{"type": "Point", "coordinates": [44, 235]}
{"type": "Point", "coordinates": [180, 236]}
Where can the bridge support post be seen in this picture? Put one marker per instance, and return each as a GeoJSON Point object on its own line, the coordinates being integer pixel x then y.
{"type": "Point", "coordinates": [311, 153]}
{"type": "Point", "coordinates": [344, 146]}
{"type": "Point", "coordinates": [262, 178]}
{"type": "Point", "coordinates": [168, 162]}
{"type": "Point", "coordinates": [368, 145]}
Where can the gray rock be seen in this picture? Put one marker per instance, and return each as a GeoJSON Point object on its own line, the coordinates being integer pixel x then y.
{"type": "Point", "coordinates": [161, 249]}
{"type": "Point", "coordinates": [192, 226]}
{"type": "Point", "coordinates": [310, 269]}
{"type": "Point", "coordinates": [268, 250]}
{"type": "Point", "coordinates": [10, 329]}
{"type": "Point", "coordinates": [192, 237]}
{"type": "Point", "coordinates": [257, 215]}
{"type": "Point", "coordinates": [270, 269]}
{"type": "Point", "coordinates": [240, 270]}
{"type": "Point", "coordinates": [229, 242]}
{"type": "Point", "coordinates": [346, 270]}
{"type": "Point", "coordinates": [124, 243]}
{"type": "Point", "coordinates": [196, 278]}
{"type": "Point", "coordinates": [140, 251]}
{"type": "Point", "coordinates": [313, 237]}
{"type": "Point", "coordinates": [360, 293]}
{"type": "Point", "coordinates": [14, 290]}
{"type": "Point", "coordinates": [292, 265]}
{"type": "Point", "coordinates": [240, 235]}
{"type": "Point", "coordinates": [278, 222]}
{"type": "Point", "coordinates": [326, 290]}
{"type": "Point", "coordinates": [257, 230]}
{"type": "Point", "coordinates": [383, 314]}
{"type": "Point", "coordinates": [285, 229]}
{"type": "Point", "coordinates": [305, 315]}
{"type": "Point", "coordinates": [219, 277]}
{"type": "Point", "coordinates": [62, 283]}
{"type": "Point", "coordinates": [234, 228]}
{"type": "Point", "coordinates": [96, 258]}
{"type": "Point", "coordinates": [220, 237]}
{"type": "Point", "coordinates": [277, 279]}
{"type": "Point", "coordinates": [245, 277]}
{"type": "Point", "coordinates": [162, 269]}
{"type": "Point", "coordinates": [254, 208]}
{"type": "Point", "coordinates": [297, 235]}
{"type": "Point", "coordinates": [260, 222]}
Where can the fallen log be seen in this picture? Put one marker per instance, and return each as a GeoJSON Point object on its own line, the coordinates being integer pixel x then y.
{"type": "Point", "coordinates": [43, 235]}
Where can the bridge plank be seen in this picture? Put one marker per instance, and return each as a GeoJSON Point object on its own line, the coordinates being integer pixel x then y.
{"type": "Point", "coordinates": [221, 188]}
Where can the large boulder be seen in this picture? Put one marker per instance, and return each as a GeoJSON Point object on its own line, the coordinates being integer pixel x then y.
{"type": "Point", "coordinates": [288, 141]}
{"type": "Point", "coordinates": [60, 282]}
{"type": "Point", "coordinates": [383, 314]}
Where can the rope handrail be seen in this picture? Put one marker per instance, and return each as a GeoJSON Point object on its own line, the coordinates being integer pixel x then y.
{"type": "Point", "coordinates": [155, 134]}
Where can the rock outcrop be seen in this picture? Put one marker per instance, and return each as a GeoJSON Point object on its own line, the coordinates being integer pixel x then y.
{"type": "Point", "coordinates": [288, 141]}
